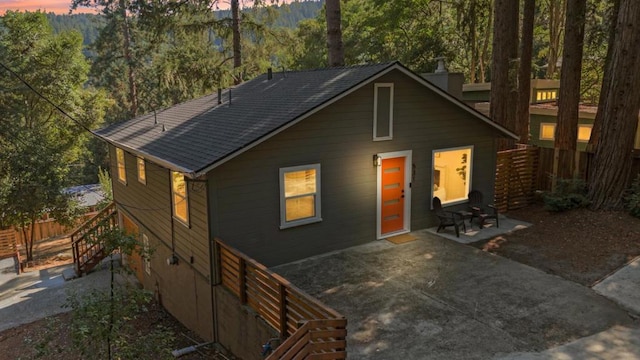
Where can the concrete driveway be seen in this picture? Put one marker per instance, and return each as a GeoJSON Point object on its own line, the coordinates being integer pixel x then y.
{"type": "Point", "coordinates": [433, 298]}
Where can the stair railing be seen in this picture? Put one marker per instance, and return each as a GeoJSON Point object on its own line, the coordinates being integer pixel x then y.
{"type": "Point", "coordinates": [85, 240]}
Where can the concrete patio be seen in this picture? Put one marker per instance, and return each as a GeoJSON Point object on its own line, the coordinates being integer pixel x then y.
{"type": "Point", "coordinates": [433, 298]}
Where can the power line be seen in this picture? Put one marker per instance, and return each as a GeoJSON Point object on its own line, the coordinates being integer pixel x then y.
{"type": "Point", "coordinates": [50, 102]}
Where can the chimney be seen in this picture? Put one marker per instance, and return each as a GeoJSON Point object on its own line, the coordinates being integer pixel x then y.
{"type": "Point", "coordinates": [449, 82]}
{"type": "Point", "coordinates": [269, 74]}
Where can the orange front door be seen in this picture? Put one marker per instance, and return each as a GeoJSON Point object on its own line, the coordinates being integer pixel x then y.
{"type": "Point", "coordinates": [134, 260]}
{"type": "Point", "coordinates": [392, 200]}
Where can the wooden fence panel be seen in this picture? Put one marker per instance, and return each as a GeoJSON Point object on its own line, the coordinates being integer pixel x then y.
{"type": "Point", "coordinates": [516, 173]}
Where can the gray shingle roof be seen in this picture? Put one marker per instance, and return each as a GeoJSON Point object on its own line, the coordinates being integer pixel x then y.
{"type": "Point", "coordinates": [201, 133]}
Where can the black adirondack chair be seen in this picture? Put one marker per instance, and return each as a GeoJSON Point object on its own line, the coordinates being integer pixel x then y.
{"type": "Point", "coordinates": [448, 218]}
{"type": "Point", "coordinates": [481, 211]}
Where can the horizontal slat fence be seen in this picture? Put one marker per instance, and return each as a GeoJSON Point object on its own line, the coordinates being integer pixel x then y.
{"type": "Point", "coordinates": [516, 173]}
{"type": "Point", "coordinates": [318, 332]}
{"type": "Point", "coordinates": [9, 247]}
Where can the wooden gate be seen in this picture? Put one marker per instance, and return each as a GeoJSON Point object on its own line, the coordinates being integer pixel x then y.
{"type": "Point", "coordinates": [515, 183]}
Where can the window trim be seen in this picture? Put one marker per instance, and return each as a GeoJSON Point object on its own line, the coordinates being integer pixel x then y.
{"type": "Point", "coordinates": [185, 198]}
{"type": "Point", "coordinates": [542, 124]}
{"type": "Point", "coordinates": [141, 179]}
{"type": "Point", "coordinates": [470, 170]}
{"type": "Point", "coordinates": [284, 224]}
{"type": "Point", "coordinates": [376, 86]}
{"type": "Point", "coordinates": [122, 176]}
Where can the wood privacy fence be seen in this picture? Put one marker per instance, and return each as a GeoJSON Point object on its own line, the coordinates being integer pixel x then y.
{"type": "Point", "coordinates": [311, 329]}
{"type": "Point", "coordinates": [516, 173]}
{"type": "Point", "coordinates": [9, 247]}
{"type": "Point", "coordinates": [48, 227]}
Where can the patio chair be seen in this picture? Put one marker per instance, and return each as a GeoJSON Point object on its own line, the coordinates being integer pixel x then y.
{"type": "Point", "coordinates": [448, 218]}
{"type": "Point", "coordinates": [477, 207]}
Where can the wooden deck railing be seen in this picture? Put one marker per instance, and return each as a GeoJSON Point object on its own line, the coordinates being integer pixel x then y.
{"type": "Point", "coordinates": [310, 328]}
{"type": "Point", "coordinates": [85, 242]}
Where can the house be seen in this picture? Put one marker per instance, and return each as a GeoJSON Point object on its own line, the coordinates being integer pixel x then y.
{"type": "Point", "coordinates": [289, 165]}
{"type": "Point", "coordinates": [543, 112]}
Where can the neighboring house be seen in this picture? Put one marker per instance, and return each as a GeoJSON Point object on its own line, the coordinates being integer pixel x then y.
{"type": "Point", "coordinates": [87, 196]}
{"type": "Point", "coordinates": [543, 112]}
{"type": "Point", "coordinates": [289, 165]}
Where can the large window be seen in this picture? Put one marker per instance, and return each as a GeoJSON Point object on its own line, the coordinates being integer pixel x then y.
{"type": "Point", "coordinates": [122, 172]}
{"type": "Point", "coordinates": [142, 172]}
{"type": "Point", "coordinates": [299, 195]}
{"type": "Point", "coordinates": [383, 111]}
{"type": "Point", "coordinates": [452, 174]}
{"type": "Point", "coordinates": [180, 197]}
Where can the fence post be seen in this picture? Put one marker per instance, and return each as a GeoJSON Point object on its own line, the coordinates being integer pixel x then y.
{"type": "Point", "coordinates": [242, 266]}
{"type": "Point", "coordinates": [283, 311]}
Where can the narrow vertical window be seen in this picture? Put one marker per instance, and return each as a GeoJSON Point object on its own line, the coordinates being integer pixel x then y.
{"type": "Point", "coordinates": [299, 195]}
{"type": "Point", "coordinates": [142, 172]}
{"type": "Point", "coordinates": [180, 198]}
{"type": "Point", "coordinates": [383, 111]}
{"type": "Point", "coordinates": [122, 172]}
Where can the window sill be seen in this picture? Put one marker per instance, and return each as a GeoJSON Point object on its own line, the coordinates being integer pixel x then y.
{"type": "Point", "coordinates": [299, 223]}
{"type": "Point", "coordinates": [185, 223]}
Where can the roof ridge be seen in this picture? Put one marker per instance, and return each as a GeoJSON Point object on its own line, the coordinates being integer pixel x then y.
{"type": "Point", "coordinates": [389, 63]}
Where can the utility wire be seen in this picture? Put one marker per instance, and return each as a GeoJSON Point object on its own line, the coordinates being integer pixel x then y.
{"type": "Point", "coordinates": [50, 102]}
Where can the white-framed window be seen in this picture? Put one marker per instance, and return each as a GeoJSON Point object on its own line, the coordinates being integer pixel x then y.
{"type": "Point", "coordinates": [180, 197]}
{"type": "Point", "coordinates": [547, 131]}
{"type": "Point", "coordinates": [122, 171]}
{"type": "Point", "coordinates": [142, 172]}
{"type": "Point", "coordinates": [299, 195]}
{"type": "Point", "coordinates": [451, 177]}
{"type": "Point", "coordinates": [145, 258]}
{"type": "Point", "coordinates": [383, 111]}
{"type": "Point", "coordinates": [584, 132]}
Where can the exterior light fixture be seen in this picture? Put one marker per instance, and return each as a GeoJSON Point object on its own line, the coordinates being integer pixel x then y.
{"type": "Point", "coordinates": [377, 160]}
{"type": "Point", "coordinates": [172, 260]}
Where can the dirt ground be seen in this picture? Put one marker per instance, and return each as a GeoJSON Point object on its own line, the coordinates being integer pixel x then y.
{"type": "Point", "coordinates": [580, 245]}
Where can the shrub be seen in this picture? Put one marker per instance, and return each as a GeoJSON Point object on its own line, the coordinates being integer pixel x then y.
{"type": "Point", "coordinates": [632, 200]}
{"type": "Point", "coordinates": [569, 194]}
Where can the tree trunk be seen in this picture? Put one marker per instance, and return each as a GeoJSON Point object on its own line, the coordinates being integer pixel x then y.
{"type": "Point", "coordinates": [237, 46]}
{"type": "Point", "coordinates": [485, 46]}
{"type": "Point", "coordinates": [334, 33]}
{"type": "Point", "coordinates": [504, 69]}
{"type": "Point", "coordinates": [611, 167]}
{"type": "Point", "coordinates": [556, 24]}
{"type": "Point", "coordinates": [566, 135]}
{"type": "Point", "coordinates": [473, 41]}
{"type": "Point", "coordinates": [606, 79]}
{"type": "Point", "coordinates": [524, 72]}
{"type": "Point", "coordinates": [126, 36]}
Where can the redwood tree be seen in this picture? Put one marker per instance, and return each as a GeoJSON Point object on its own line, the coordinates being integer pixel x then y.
{"type": "Point", "coordinates": [237, 46]}
{"type": "Point", "coordinates": [568, 104]}
{"type": "Point", "coordinates": [334, 33]}
{"type": "Point", "coordinates": [504, 69]}
{"type": "Point", "coordinates": [524, 72]}
{"type": "Point", "coordinates": [611, 167]}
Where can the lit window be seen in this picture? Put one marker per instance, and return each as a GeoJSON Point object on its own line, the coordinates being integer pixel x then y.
{"type": "Point", "coordinates": [452, 174]}
{"type": "Point", "coordinates": [538, 95]}
{"type": "Point", "coordinates": [146, 260]}
{"type": "Point", "coordinates": [383, 112]}
{"type": "Point", "coordinates": [554, 95]}
{"type": "Point", "coordinates": [299, 195]}
{"type": "Point", "coordinates": [180, 199]}
{"type": "Point", "coordinates": [122, 172]}
{"type": "Point", "coordinates": [584, 133]}
{"type": "Point", "coordinates": [547, 131]}
{"type": "Point", "coordinates": [142, 174]}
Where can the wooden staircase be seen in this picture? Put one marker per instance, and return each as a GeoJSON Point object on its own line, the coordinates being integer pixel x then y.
{"type": "Point", "coordinates": [88, 250]}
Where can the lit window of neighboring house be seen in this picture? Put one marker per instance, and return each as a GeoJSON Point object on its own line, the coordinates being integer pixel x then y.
{"type": "Point", "coordinates": [180, 197]}
{"type": "Point", "coordinates": [299, 195]}
{"type": "Point", "coordinates": [452, 174]}
{"type": "Point", "coordinates": [584, 132]}
{"type": "Point", "coordinates": [122, 172]}
{"type": "Point", "coordinates": [547, 131]}
{"type": "Point", "coordinates": [142, 172]}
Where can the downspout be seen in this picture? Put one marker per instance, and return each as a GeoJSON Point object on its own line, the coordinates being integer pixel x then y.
{"type": "Point", "coordinates": [213, 262]}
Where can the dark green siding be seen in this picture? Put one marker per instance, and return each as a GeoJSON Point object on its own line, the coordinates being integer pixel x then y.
{"type": "Point", "coordinates": [245, 191]}
{"type": "Point", "coordinates": [150, 205]}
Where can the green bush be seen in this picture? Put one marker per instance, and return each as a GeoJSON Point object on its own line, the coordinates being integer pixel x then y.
{"type": "Point", "coordinates": [632, 199]}
{"type": "Point", "coordinates": [569, 194]}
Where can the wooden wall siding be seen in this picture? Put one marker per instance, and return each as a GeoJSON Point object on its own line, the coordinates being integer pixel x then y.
{"type": "Point", "coordinates": [245, 191]}
{"type": "Point", "coordinates": [150, 206]}
{"type": "Point", "coordinates": [516, 174]}
{"type": "Point", "coordinates": [310, 326]}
